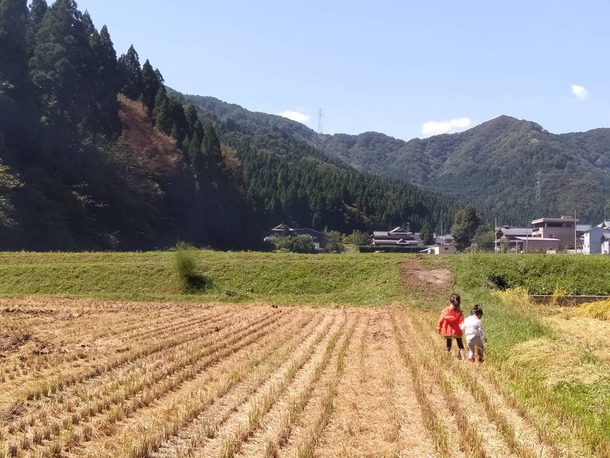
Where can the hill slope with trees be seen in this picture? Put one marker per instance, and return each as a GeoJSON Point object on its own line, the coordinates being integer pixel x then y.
{"type": "Point", "coordinates": [509, 169]}
{"type": "Point", "coordinates": [96, 153]}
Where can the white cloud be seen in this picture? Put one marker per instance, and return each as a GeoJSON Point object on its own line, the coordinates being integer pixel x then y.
{"type": "Point", "coordinates": [444, 127]}
{"type": "Point", "coordinates": [579, 92]}
{"type": "Point", "coordinates": [295, 116]}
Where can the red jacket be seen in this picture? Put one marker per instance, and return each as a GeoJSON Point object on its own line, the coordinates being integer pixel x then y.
{"type": "Point", "coordinates": [449, 322]}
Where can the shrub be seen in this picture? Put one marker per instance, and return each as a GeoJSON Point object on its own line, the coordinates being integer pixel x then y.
{"type": "Point", "coordinates": [186, 267]}
{"type": "Point", "coordinates": [295, 244]}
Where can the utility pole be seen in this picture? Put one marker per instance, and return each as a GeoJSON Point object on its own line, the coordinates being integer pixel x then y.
{"type": "Point", "coordinates": [575, 233]}
{"type": "Point", "coordinates": [495, 235]}
{"type": "Point", "coordinates": [320, 113]}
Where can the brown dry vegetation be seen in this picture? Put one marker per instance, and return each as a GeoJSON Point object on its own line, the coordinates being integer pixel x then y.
{"type": "Point", "coordinates": [149, 150]}
{"type": "Point", "coordinates": [109, 379]}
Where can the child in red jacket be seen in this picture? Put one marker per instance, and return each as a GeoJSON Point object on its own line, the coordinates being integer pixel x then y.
{"type": "Point", "coordinates": [449, 324]}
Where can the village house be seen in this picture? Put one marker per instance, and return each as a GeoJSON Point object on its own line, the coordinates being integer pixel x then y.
{"type": "Point", "coordinates": [510, 237]}
{"type": "Point", "coordinates": [396, 238]}
{"type": "Point", "coordinates": [597, 239]}
{"type": "Point", "coordinates": [563, 229]}
{"type": "Point", "coordinates": [320, 239]}
{"type": "Point", "coordinates": [545, 235]}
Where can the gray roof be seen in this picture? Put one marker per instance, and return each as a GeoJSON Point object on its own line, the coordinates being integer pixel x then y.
{"type": "Point", "coordinates": [536, 239]}
{"type": "Point", "coordinates": [516, 231]}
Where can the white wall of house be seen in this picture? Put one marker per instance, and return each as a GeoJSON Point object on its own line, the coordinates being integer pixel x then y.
{"type": "Point", "coordinates": [443, 249]}
{"type": "Point", "coordinates": [592, 240]}
{"type": "Point", "coordinates": [596, 241]}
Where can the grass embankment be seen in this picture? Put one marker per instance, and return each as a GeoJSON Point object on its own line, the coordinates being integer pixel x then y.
{"type": "Point", "coordinates": [553, 359]}
{"type": "Point", "coordinates": [240, 277]}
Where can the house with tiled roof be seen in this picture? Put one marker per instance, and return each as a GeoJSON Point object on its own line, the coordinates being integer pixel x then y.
{"type": "Point", "coordinates": [397, 237]}
{"type": "Point", "coordinates": [320, 239]}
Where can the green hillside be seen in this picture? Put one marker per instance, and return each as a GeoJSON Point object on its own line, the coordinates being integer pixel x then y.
{"type": "Point", "coordinates": [513, 171]}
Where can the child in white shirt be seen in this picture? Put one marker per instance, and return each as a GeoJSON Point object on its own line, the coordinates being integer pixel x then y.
{"type": "Point", "coordinates": [475, 334]}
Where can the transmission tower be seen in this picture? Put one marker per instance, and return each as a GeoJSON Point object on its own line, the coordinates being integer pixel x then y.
{"type": "Point", "coordinates": [320, 120]}
{"type": "Point", "coordinates": [538, 185]}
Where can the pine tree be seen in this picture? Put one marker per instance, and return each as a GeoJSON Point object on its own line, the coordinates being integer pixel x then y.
{"type": "Point", "coordinates": [13, 66]}
{"type": "Point", "coordinates": [38, 9]}
{"type": "Point", "coordinates": [162, 112]}
{"type": "Point", "coordinates": [130, 73]}
{"type": "Point", "coordinates": [151, 83]}
{"type": "Point", "coordinates": [425, 234]}
{"type": "Point", "coordinates": [104, 115]}
{"type": "Point", "coordinates": [105, 56]}
{"type": "Point", "coordinates": [211, 148]}
{"type": "Point", "coordinates": [464, 227]}
{"type": "Point", "coordinates": [61, 65]}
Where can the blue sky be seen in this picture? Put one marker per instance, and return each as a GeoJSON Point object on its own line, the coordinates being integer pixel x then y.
{"type": "Point", "coordinates": [405, 68]}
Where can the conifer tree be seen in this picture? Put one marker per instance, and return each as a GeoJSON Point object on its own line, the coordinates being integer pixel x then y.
{"type": "Point", "coordinates": [162, 112]}
{"type": "Point", "coordinates": [191, 115]}
{"type": "Point", "coordinates": [464, 227]}
{"type": "Point", "coordinates": [151, 83]}
{"type": "Point", "coordinates": [105, 55]}
{"type": "Point", "coordinates": [104, 117]}
{"type": "Point", "coordinates": [211, 147]}
{"type": "Point", "coordinates": [130, 74]}
{"type": "Point", "coordinates": [425, 234]}
{"type": "Point", "coordinates": [13, 65]}
{"type": "Point", "coordinates": [61, 65]}
{"type": "Point", "coordinates": [38, 9]}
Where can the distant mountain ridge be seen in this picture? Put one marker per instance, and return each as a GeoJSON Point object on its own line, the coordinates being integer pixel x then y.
{"type": "Point", "coordinates": [511, 170]}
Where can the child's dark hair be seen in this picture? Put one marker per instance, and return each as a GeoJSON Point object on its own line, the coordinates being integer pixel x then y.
{"type": "Point", "coordinates": [455, 300]}
{"type": "Point", "coordinates": [476, 310]}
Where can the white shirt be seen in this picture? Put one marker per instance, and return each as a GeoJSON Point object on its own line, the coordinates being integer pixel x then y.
{"type": "Point", "coordinates": [473, 326]}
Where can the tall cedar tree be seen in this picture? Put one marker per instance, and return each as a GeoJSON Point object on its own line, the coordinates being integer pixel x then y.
{"type": "Point", "coordinates": [465, 226]}
{"type": "Point", "coordinates": [151, 83]}
{"type": "Point", "coordinates": [130, 74]}
{"type": "Point", "coordinates": [61, 67]}
{"type": "Point", "coordinates": [13, 70]}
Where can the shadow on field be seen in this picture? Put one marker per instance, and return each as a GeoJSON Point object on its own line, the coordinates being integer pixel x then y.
{"type": "Point", "coordinates": [196, 283]}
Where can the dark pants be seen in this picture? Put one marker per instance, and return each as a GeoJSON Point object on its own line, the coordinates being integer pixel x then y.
{"type": "Point", "coordinates": [458, 340]}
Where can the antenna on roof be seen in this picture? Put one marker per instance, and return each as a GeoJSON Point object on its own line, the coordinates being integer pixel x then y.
{"type": "Point", "coordinates": [320, 120]}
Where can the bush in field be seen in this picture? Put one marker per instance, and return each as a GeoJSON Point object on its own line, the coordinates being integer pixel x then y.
{"type": "Point", "coordinates": [335, 242]}
{"type": "Point", "coordinates": [295, 244]}
{"type": "Point", "coordinates": [358, 238]}
{"type": "Point", "coordinates": [186, 267]}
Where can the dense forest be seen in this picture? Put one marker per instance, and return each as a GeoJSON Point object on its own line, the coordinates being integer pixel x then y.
{"type": "Point", "coordinates": [97, 153]}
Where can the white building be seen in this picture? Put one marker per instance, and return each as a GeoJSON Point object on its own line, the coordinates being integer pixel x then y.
{"type": "Point", "coordinates": [594, 239]}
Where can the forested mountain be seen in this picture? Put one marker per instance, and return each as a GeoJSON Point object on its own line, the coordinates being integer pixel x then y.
{"type": "Point", "coordinates": [508, 169]}
{"type": "Point", "coordinates": [511, 170]}
{"type": "Point", "coordinates": [295, 181]}
{"type": "Point", "coordinates": [96, 153]}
